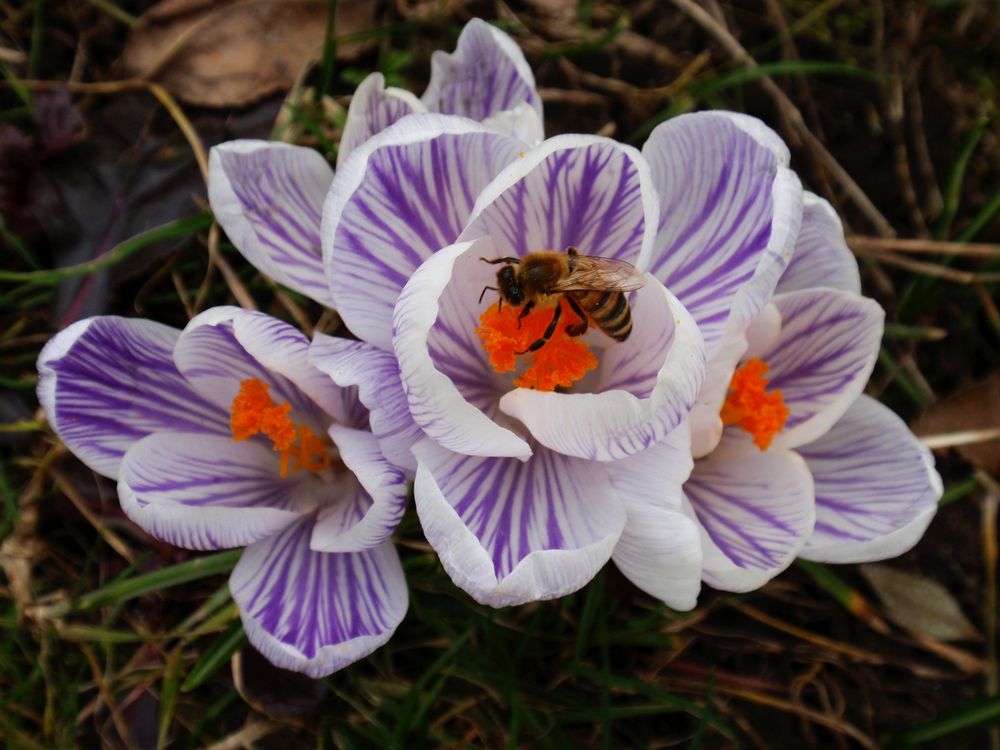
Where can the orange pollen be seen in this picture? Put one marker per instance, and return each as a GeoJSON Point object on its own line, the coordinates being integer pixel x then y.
{"type": "Point", "coordinates": [253, 412]}
{"type": "Point", "coordinates": [561, 361]}
{"type": "Point", "coordinates": [748, 406]}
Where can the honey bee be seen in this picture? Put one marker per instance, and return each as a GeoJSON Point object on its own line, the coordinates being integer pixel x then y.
{"type": "Point", "coordinates": [592, 286]}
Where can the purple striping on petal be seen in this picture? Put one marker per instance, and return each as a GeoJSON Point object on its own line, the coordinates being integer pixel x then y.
{"type": "Point", "coordinates": [314, 599]}
{"type": "Point", "coordinates": [115, 386]}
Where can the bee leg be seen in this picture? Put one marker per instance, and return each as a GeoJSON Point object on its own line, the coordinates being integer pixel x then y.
{"type": "Point", "coordinates": [508, 260]}
{"type": "Point", "coordinates": [482, 293]}
{"type": "Point", "coordinates": [528, 307]}
{"type": "Point", "coordinates": [547, 334]}
{"type": "Point", "coordinates": [576, 329]}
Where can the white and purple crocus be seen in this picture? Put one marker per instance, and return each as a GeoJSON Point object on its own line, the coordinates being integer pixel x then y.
{"type": "Point", "coordinates": [224, 435]}
{"type": "Point", "coordinates": [725, 436]}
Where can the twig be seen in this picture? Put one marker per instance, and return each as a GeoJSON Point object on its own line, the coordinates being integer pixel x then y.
{"type": "Point", "coordinates": [862, 244]}
{"type": "Point", "coordinates": [963, 437]}
{"type": "Point", "coordinates": [739, 53]}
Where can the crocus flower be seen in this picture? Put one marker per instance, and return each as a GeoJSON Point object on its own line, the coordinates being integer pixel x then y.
{"type": "Point", "coordinates": [806, 465]}
{"type": "Point", "coordinates": [224, 435]}
{"type": "Point", "coordinates": [268, 196]}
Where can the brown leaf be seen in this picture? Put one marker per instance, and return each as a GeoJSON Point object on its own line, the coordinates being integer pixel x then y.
{"type": "Point", "coordinates": [975, 407]}
{"type": "Point", "coordinates": [919, 604]}
{"type": "Point", "coordinates": [233, 52]}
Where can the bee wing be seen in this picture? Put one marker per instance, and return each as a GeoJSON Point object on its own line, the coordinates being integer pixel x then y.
{"type": "Point", "coordinates": [591, 272]}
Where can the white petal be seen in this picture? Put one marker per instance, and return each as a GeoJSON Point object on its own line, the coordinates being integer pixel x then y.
{"type": "Point", "coordinates": [822, 358]}
{"type": "Point", "coordinates": [822, 258]}
{"type": "Point", "coordinates": [571, 190]}
{"type": "Point", "coordinates": [730, 211]}
{"type": "Point", "coordinates": [317, 612]}
{"type": "Point", "coordinates": [370, 506]}
{"type": "Point", "coordinates": [755, 509]}
{"type": "Point", "coordinates": [510, 532]}
{"type": "Point", "coordinates": [876, 487]}
{"type": "Point", "coordinates": [373, 109]}
{"type": "Point", "coordinates": [207, 491]}
{"type": "Point", "coordinates": [269, 198]}
{"type": "Point", "coordinates": [660, 547]}
{"type": "Point", "coordinates": [485, 75]}
{"type": "Point", "coordinates": [105, 383]}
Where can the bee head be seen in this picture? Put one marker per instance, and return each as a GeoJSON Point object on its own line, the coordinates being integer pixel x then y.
{"type": "Point", "coordinates": [510, 288]}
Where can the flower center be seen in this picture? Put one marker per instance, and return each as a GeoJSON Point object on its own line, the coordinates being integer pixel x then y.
{"type": "Point", "coordinates": [253, 412]}
{"type": "Point", "coordinates": [750, 407]}
{"type": "Point", "coordinates": [560, 361]}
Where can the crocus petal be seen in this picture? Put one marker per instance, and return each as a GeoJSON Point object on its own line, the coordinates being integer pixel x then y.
{"type": "Point", "coordinates": [373, 109]}
{"type": "Point", "coordinates": [647, 385]}
{"type": "Point", "coordinates": [510, 532]}
{"type": "Point", "coordinates": [660, 547]}
{"type": "Point", "coordinates": [485, 75]}
{"type": "Point", "coordinates": [370, 504]}
{"type": "Point", "coordinates": [436, 404]}
{"type": "Point", "coordinates": [822, 358]}
{"type": "Point", "coordinates": [581, 190]}
{"type": "Point", "coordinates": [756, 511]}
{"type": "Point", "coordinates": [876, 487]}
{"type": "Point", "coordinates": [376, 375]}
{"type": "Point", "coordinates": [400, 197]}
{"type": "Point", "coordinates": [207, 491]}
{"type": "Point", "coordinates": [106, 383]}
{"type": "Point", "coordinates": [211, 357]}
{"type": "Point", "coordinates": [522, 122]}
{"type": "Point", "coordinates": [821, 258]}
{"type": "Point", "coordinates": [316, 612]}
{"type": "Point", "coordinates": [269, 198]}
{"type": "Point", "coordinates": [729, 214]}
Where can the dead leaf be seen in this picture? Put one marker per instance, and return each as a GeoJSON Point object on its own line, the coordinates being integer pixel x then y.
{"type": "Point", "coordinates": [231, 53]}
{"type": "Point", "coordinates": [975, 407]}
{"type": "Point", "coordinates": [919, 604]}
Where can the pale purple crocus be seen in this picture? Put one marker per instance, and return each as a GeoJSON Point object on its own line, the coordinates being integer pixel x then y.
{"type": "Point", "coordinates": [320, 584]}
{"type": "Point", "coordinates": [844, 480]}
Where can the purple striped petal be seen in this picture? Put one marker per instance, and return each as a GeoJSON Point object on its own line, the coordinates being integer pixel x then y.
{"type": "Point", "coordinates": [317, 612]}
{"type": "Point", "coordinates": [434, 359]}
{"type": "Point", "coordinates": [373, 109]}
{"type": "Point", "coordinates": [402, 196]}
{"type": "Point", "coordinates": [823, 356]}
{"type": "Point", "coordinates": [876, 487]}
{"type": "Point", "coordinates": [485, 75]}
{"type": "Point", "coordinates": [369, 502]}
{"type": "Point", "coordinates": [214, 361]}
{"type": "Point", "coordinates": [646, 386]}
{"type": "Point", "coordinates": [822, 258]}
{"type": "Point", "coordinates": [106, 383]}
{"type": "Point", "coordinates": [581, 190]}
{"type": "Point", "coordinates": [756, 511]}
{"type": "Point", "coordinates": [660, 547]}
{"type": "Point", "coordinates": [522, 122]}
{"type": "Point", "coordinates": [269, 199]}
{"type": "Point", "coordinates": [209, 492]}
{"type": "Point", "coordinates": [376, 375]}
{"type": "Point", "coordinates": [729, 214]}
{"type": "Point", "coordinates": [509, 531]}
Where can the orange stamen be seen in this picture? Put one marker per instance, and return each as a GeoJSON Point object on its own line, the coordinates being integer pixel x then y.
{"type": "Point", "coordinates": [560, 362]}
{"type": "Point", "coordinates": [253, 412]}
{"type": "Point", "coordinates": [748, 406]}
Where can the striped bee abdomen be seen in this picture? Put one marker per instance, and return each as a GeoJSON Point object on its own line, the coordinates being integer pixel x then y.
{"type": "Point", "coordinates": [609, 311]}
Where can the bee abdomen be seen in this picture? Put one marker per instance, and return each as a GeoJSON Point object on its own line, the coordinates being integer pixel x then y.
{"type": "Point", "coordinates": [609, 311]}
